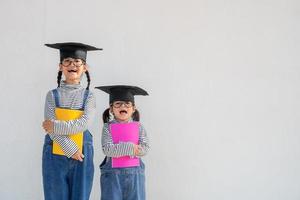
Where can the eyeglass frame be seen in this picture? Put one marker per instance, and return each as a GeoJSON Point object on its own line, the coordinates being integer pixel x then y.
{"type": "Point", "coordinates": [122, 103]}
{"type": "Point", "coordinates": [72, 60]}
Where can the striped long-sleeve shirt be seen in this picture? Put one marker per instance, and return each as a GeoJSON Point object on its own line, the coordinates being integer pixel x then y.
{"type": "Point", "coordinates": [124, 148]}
{"type": "Point", "coordinates": [70, 96]}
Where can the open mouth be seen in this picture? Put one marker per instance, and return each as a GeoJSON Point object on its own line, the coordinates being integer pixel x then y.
{"type": "Point", "coordinates": [123, 112]}
{"type": "Point", "coordinates": [70, 71]}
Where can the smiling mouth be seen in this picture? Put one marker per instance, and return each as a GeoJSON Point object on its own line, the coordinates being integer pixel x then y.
{"type": "Point", "coordinates": [70, 71]}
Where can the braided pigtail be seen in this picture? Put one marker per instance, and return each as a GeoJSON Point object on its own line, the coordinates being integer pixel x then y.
{"type": "Point", "coordinates": [88, 79]}
{"type": "Point", "coordinates": [59, 75]}
{"type": "Point", "coordinates": [136, 115]}
{"type": "Point", "coordinates": [105, 116]}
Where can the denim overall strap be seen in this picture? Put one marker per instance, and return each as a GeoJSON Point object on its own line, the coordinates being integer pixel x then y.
{"type": "Point", "coordinates": [56, 97]}
{"type": "Point", "coordinates": [86, 94]}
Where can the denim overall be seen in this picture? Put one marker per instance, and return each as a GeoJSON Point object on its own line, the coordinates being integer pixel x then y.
{"type": "Point", "coordinates": [65, 178]}
{"type": "Point", "coordinates": [122, 183]}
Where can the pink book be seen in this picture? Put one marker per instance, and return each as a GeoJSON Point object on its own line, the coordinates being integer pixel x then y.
{"type": "Point", "coordinates": [125, 132]}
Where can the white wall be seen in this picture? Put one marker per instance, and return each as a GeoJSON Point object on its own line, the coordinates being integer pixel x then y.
{"type": "Point", "coordinates": [223, 113]}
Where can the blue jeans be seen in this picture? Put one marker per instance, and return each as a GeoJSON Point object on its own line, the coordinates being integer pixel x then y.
{"type": "Point", "coordinates": [65, 178]}
{"type": "Point", "coordinates": [122, 183]}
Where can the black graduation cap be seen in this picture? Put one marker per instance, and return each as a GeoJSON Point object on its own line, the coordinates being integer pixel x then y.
{"type": "Point", "coordinates": [72, 49]}
{"type": "Point", "coordinates": [122, 92]}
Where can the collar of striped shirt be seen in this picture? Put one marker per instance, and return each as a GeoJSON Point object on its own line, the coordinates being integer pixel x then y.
{"type": "Point", "coordinates": [65, 85]}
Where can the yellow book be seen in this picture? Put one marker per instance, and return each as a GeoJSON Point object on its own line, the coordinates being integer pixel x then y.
{"type": "Point", "coordinates": [66, 115]}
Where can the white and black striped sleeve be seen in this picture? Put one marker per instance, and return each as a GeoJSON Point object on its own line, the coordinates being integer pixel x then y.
{"type": "Point", "coordinates": [115, 150]}
{"type": "Point", "coordinates": [143, 141]}
{"type": "Point", "coordinates": [78, 125]}
{"type": "Point", "coordinates": [68, 146]}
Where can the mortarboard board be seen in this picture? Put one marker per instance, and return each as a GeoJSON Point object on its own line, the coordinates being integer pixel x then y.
{"type": "Point", "coordinates": [72, 49]}
{"type": "Point", "coordinates": [122, 92]}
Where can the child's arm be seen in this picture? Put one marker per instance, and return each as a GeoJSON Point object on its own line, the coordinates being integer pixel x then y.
{"type": "Point", "coordinates": [68, 146]}
{"type": "Point", "coordinates": [77, 125]}
{"type": "Point", "coordinates": [115, 150]}
{"type": "Point", "coordinates": [143, 146]}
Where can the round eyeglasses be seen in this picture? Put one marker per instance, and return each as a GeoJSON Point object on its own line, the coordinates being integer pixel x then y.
{"type": "Point", "coordinates": [68, 61]}
{"type": "Point", "coordinates": [118, 104]}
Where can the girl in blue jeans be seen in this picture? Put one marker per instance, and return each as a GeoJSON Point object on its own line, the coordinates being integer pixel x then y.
{"type": "Point", "coordinates": [124, 142]}
{"type": "Point", "coordinates": [67, 162]}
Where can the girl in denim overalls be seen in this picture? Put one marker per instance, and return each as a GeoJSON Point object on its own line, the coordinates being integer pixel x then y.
{"type": "Point", "coordinates": [67, 166]}
{"type": "Point", "coordinates": [122, 171]}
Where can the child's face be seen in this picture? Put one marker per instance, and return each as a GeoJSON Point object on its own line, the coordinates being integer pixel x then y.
{"type": "Point", "coordinates": [122, 110]}
{"type": "Point", "coordinates": [72, 69]}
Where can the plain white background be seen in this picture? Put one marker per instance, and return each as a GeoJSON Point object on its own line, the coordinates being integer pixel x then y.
{"type": "Point", "coordinates": [223, 114]}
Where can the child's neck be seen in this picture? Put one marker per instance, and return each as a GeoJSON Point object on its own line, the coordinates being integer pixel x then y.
{"type": "Point", "coordinates": [123, 121]}
{"type": "Point", "coordinates": [72, 82]}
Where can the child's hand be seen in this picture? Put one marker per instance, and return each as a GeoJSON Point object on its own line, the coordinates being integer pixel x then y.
{"type": "Point", "coordinates": [78, 156]}
{"type": "Point", "coordinates": [48, 126]}
{"type": "Point", "coordinates": [136, 150]}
